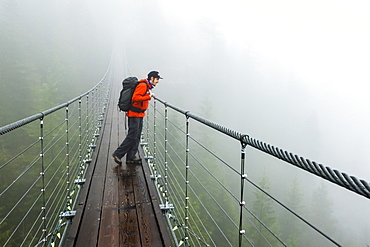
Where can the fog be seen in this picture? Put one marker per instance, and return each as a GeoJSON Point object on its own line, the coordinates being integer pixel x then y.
{"type": "Point", "coordinates": [290, 73]}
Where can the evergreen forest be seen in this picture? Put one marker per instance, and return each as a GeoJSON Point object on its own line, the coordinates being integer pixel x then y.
{"type": "Point", "coordinates": [52, 51]}
{"type": "Point", "coordinates": [49, 53]}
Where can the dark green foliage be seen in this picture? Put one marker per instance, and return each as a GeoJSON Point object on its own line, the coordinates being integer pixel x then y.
{"type": "Point", "coordinates": [51, 51]}
{"type": "Point", "coordinates": [45, 59]}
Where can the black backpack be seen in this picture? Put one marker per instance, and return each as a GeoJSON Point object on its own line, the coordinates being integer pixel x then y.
{"type": "Point", "coordinates": [125, 99]}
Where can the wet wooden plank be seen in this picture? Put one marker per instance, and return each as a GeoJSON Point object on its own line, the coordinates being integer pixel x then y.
{"type": "Point", "coordinates": [90, 209]}
{"type": "Point", "coordinates": [89, 206]}
{"type": "Point", "coordinates": [129, 230]}
{"type": "Point", "coordinates": [90, 225]}
{"type": "Point", "coordinates": [145, 213]}
{"type": "Point", "coordinates": [109, 227]}
{"type": "Point", "coordinates": [163, 228]}
{"type": "Point", "coordinates": [140, 186]}
{"type": "Point", "coordinates": [147, 223]}
{"type": "Point", "coordinates": [118, 209]}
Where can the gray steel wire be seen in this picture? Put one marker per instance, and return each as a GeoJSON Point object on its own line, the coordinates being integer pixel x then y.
{"type": "Point", "coordinates": [352, 183]}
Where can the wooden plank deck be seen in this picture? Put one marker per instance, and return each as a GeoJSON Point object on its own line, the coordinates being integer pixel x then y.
{"type": "Point", "coordinates": [118, 204]}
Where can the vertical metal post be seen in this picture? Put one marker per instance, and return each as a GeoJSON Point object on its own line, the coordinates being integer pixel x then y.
{"type": "Point", "coordinates": [67, 146]}
{"type": "Point", "coordinates": [165, 153]}
{"type": "Point", "coordinates": [147, 126]}
{"type": "Point", "coordinates": [96, 112]}
{"type": "Point", "coordinates": [80, 133]}
{"type": "Point", "coordinates": [187, 183]}
{"type": "Point", "coordinates": [242, 202]}
{"type": "Point", "coordinates": [91, 118]}
{"type": "Point", "coordinates": [154, 138]}
{"type": "Point", "coordinates": [87, 116]}
{"type": "Point", "coordinates": [42, 173]}
{"type": "Point", "coordinates": [67, 156]}
{"type": "Point", "coordinates": [88, 122]}
{"type": "Point", "coordinates": [100, 98]}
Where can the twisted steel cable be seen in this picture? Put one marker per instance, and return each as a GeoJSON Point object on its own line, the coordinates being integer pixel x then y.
{"type": "Point", "coordinates": [15, 125]}
{"type": "Point", "coordinates": [352, 183]}
{"type": "Point", "coordinates": [342, 179]}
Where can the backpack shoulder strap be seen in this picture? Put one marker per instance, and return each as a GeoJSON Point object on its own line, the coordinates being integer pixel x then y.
{"type": "Point", "coordinates": [146, 84]}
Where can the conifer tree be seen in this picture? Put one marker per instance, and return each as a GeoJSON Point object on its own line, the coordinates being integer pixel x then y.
{"type": "Point", "coordinates": [321, 216]}
{"type": "Point", "coordinates": [262, 208]}
{"type": "Point", "coordinates": [290, 226]}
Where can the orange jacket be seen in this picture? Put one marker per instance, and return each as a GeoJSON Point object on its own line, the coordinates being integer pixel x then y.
{"type": "Point", "coordinates": [140, 99]}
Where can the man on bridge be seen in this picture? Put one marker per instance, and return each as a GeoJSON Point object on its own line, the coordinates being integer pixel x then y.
{"type": "Point", "coordinates": [140, 101]}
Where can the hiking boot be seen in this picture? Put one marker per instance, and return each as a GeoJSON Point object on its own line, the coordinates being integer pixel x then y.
{"type": "Point", "coordinates": [134, 161]}
{"type": "Point", "coordinates": [116, 159]}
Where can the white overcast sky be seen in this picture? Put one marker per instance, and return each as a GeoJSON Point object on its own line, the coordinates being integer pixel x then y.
{"type": "Point", "coordinates": [296, 33]}
{"type": "Point", "coordinates": [323, 43]}
{"type": "Point", "coordinates": [326, 43]}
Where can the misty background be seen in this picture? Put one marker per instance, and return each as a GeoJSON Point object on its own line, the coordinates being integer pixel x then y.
{"type": "Point", "coordinates": [289, 73]}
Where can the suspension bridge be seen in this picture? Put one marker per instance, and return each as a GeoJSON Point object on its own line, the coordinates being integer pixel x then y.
{"type": "Point", "coordinates": [60, 186]}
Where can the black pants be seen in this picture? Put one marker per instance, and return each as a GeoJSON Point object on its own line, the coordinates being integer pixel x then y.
{"type": "Point", "coordinates": [130, 145]}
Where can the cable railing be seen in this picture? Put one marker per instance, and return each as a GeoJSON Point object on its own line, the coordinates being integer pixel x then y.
{"type": "Point", "coordinates": [207, 197]}
{"type": "Point", "coordinates": [43, 165]}
{"type": "Point", "coordinates": [201, 178]}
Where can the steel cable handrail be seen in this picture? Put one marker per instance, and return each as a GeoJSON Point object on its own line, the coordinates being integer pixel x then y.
{"type": "Point", "coordinates": [231, 194]}
{"type": "Point", "coordinates": [205, 208]}
{"type": "Point", "coordinates": [342, 179]}
{"type": "Point", "coordinates": [352, 183]}
{"type": "Point", "coordinates": [191, 206]}
{"type": "Point", "coordinates": [176, 194]}
{"type": "Point", "coordinates": [22, 220]}
{"type": "Point", "coordinates": [215, 201]}
{"type": "Point", "coordinates": [30, 119]}
{"type": "Point", "coordinates": [27, 168]}
{"type": "Point", "coordinates": [195, 194]}
{"type": "Point", "coordinates": [35, 201]}
{"type": "Point", "coordinates": [59, 194]}
{"type": "Point", "coordinates": [19, 154]}
{"type": "Point", "coordinates": [255, 185]}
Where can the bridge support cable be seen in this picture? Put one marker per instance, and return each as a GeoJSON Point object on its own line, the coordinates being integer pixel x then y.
{"type": "Point", "coordinates": [41, 177]}
{"type": "Point", "coordinates": [163, 157]}
{"type": "Point", "coordinates": [80, 158]}
{"type": "Point", "coordinates": [156, 172]}
{"type": "Point", "coordinates": [295, 214]}
{"type": "Point", "coordinates": [166, 196]}
{"type": "Point", "coordinates": [360, 187]}
{"type": "Point", "coordinates": [43, 208]}
{"type": "Point", "coordinates": [155, 142]}
{"type": "Point", "coordinates": [68, 181]}
{"type": "Point", "coordinates": [186, 218]}
{"type": "Point", "coordinates": [199, 201]}
{"type": "Point", "coordinates": [242, 202]}
{"type": "Point", "coordinates": [233, 196]}
{"type": "Point", "coordinates": [223, 186]}
{"type": "Point", "coordinates": [178, 191]}
{"type": "Point", "coordinates": [172, 214]}
{"type": "Point", "coordinates": [45, 149]}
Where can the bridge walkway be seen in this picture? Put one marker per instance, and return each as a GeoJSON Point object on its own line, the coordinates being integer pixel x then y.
{"type": "Point", "coordinates": [118, 204]}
